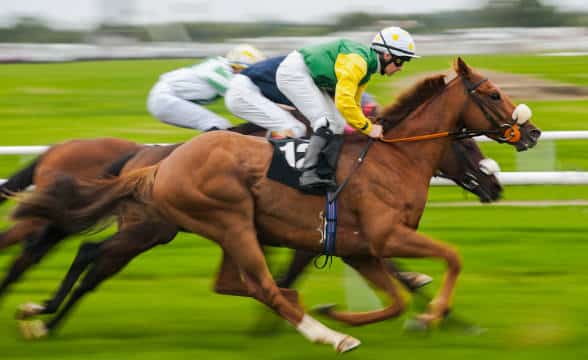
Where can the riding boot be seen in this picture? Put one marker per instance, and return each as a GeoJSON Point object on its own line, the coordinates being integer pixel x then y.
{"type": "Point", "coordinates": [310, 179]}
{"type": "Point", "coordinates": [327, 167]}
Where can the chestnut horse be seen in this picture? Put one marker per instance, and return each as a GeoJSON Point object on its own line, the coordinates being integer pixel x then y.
{"type": "Point", "coordinates": [464, 163]}
{"type": "Point", "coordinates": [215, 186]}
{"type": "Point", "coordinates": [82, 159]}
{"type": "Point", "coordinates": [95, 158]}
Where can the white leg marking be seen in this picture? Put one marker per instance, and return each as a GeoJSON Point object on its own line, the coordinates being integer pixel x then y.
{"type": "Point", "coordinates": [319, 333]}
{"type": "Point", "coordinates": [27, 310]}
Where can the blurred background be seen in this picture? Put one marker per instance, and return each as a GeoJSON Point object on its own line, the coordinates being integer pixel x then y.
{"type": "Point", "coordinates": [83, 69]}
{"type": "Point", "coordinates": [145, 29]}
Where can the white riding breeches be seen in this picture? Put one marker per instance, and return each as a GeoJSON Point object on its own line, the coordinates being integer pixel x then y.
{"type": "Point", "coordinates": [245, 100]}
{"type": "Point", "coordinates": [294, 81]}
{"type": "Point", "coordinates": [169, 108]}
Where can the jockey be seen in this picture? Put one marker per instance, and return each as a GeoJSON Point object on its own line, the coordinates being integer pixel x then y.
{"type": "Point", "coordinates": [178, 96]}
{"type": "Point", "coordinates": [253, 95]}
{"type": "Point", "coordinates": [342, 67]}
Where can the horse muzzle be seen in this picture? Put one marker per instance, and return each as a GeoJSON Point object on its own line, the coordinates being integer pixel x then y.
{"type": "Point", "coordinates": [522, 134]}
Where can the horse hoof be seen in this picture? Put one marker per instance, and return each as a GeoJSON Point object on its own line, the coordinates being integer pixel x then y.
{"type": "Point", "coordinates": [32, 330]}
{"type": "Point", "coordinates": [28, 310]}
{"type": "Point", "coordinates": [416, 325]}
{"type": "Point", "coordinates": [415, 280]}
{"type": "Point", "coordinates": [347, 344]}
{"type": "Point", "coordinates": [324, 309]}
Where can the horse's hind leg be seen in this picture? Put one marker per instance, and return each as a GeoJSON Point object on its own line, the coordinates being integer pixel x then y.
{"type": "Point", "coordinates": [228, 278]}
{"type": "Point", "coordinates": [36, 247]}
{"type": "Point", "coordinates": [374, 270]}
{"type": "Point", "coordinates": [87, 253]}
{"type": "Point", "coordinates": [230, 282]}
{"type": "Point", "coordinates": [112, 256]}
{"type": "Point", "coordinates": [244, 249]}
{"type": "Point", "coordinates": [20, 231]}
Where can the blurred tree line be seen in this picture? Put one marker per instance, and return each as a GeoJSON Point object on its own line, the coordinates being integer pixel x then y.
{"type": "Point", "coordinates": [496, 13]}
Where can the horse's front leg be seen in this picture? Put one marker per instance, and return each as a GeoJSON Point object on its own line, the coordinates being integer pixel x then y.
{"type": "Point", "coordinates": [375, 271]}
{"type": "Point", "coordinates": [402, 241]}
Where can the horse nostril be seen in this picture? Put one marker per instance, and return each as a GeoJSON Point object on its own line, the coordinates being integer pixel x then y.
{"type": "Point", "coordinates": [535, 134]}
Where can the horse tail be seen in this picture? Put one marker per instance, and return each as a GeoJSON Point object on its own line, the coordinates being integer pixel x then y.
{"type": "Point", "coordinates": [82, 205]}
{"type": "Point", "coordinates": [18, 181]}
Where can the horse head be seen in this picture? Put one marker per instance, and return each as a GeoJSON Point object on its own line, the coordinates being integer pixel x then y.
{"type": "Point", "coordinates": [489, 110]}
{"type": "Point", "coordinates": [465, 165]}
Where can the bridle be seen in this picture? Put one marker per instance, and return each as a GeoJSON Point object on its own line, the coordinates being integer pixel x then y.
{"type": "Point", "coordinates": [469, 179]}
{"type": "Point", "coordinates": [508, 132]}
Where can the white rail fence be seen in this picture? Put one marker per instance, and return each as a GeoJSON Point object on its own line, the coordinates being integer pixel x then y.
{"type": "Point", "coordinates": [532, 178]}
{"type": "Point", "coordinates": [507, 178]}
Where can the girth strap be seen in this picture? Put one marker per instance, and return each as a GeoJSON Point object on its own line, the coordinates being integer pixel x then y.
{"type": "Point", "coordinates": [329, 231]}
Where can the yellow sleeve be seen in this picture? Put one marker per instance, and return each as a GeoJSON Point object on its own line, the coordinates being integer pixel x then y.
{"type": "Point", "coordinates": [350, 69]}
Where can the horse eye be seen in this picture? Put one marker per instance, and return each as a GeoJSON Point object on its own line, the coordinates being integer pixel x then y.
{"type": "Point", "coordinates": [495, 96]}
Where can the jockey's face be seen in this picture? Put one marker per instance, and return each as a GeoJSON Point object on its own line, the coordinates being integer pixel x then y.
{"type": "Point", "coordinates": [391, 68]}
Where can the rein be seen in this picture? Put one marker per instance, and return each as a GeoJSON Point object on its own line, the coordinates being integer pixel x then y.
{"type": "Point", "coordinates": [457, 135]}
{"type": "Point", "coordinates": [437, 135]}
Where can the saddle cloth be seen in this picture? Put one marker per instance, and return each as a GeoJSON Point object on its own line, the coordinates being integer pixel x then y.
{"type": "Point", "coordinates": [287, 160]}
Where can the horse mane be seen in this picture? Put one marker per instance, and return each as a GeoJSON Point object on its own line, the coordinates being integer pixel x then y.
{"type": "Point", "coordinates": [411, 99]}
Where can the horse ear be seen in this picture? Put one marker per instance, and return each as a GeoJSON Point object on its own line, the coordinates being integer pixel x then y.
{"type": "Point", "coordinates": [461, 67]}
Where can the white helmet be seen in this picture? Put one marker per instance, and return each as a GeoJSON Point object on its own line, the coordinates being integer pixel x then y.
{"type": "Point", "coordinates": [395, 41]}
{"type": "Point", "coordinates": [244, 55]}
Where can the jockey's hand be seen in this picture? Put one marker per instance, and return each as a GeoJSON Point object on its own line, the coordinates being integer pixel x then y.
{"type": "Point", "coordinates": [376, 131]}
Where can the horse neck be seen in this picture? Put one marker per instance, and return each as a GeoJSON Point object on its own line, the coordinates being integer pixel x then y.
{"type": "Point", "coordinates": [441, 113]}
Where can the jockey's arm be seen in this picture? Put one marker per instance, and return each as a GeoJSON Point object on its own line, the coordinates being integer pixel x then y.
{"type": "Point", "coordinates": [350, 69]}
{"type": "Point", "coordinates": [219, 82]}
{"type": "Point", "coordinates": [218, 77]}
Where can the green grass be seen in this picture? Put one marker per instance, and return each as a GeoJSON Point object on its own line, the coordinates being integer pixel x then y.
{"type": "Point", "coordinates": [524, 279]}
{"type": "Point", "coordinates": [524, 275]}
{"type": "Point", "coordinates": [514, 193]}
